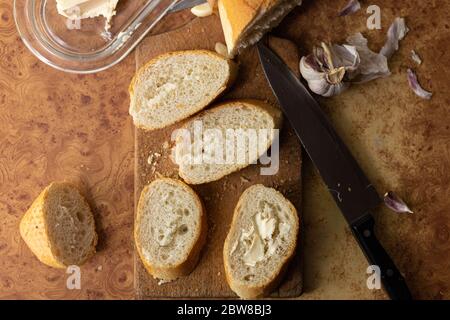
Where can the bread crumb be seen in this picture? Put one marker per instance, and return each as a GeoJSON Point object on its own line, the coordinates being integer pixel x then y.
{"type": "Point", "coordinates": [162, 281]}
{"type": "Point", "coordinates": [166, 145]}
{"type": "Point", "coordinates": [99, 268]}
{"type": "Point", "coordinates": [218, 273]}
{"type": "Point", "coordinates": [153, 158]}
{"type": "Point", "coordinates": [150, 159]}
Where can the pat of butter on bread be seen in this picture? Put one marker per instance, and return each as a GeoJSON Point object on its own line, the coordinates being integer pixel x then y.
{"type": "Point", "coordinates": [261, 242]}
{"type": "Point", "coordinates": [238, 116]}
{"type": "Point", "coordinates": [176, 85]}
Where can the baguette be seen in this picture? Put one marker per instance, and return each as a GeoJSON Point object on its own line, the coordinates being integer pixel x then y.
{"type": "Point", "coordinates": [245, 22]}
{"type": "Point", "coordinates": [170, 229]}
{"type": "Point", "coordinates": [176, 85]}
{"type": "Point", "coordinates": [251, 115]}
{"type": "Point", "coordinates": [260, 243]}
{"type": "Point", "coordinates": [59, 227]}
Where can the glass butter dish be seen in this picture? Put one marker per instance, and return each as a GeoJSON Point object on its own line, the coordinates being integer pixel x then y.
{"type": "Point", "coordinates": [86, 46]}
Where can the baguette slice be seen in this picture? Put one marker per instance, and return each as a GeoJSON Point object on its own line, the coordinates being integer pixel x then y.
{"type": "Point", "coordinates": [176, 85]}
{"type": "Point", "coordinates": [246, 115]}
{"type": "Point", "coordinates": [170, 229]}
{"type": "Point", "coordinates": [245, 22]}
{"type": "Point", "coordinates": [59, 227]}
{"type": "Point", "coordinates": [260, 243]}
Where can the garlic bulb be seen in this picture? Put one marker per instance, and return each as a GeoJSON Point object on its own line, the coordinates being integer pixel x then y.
{"type": "Point", "coordinates": [330, 69]}
{"type": "Point", "coordinates": [326, 68]}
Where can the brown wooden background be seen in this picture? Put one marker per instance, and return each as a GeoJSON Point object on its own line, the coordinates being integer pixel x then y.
{"type": "Point", "coordinates": [56, 126]}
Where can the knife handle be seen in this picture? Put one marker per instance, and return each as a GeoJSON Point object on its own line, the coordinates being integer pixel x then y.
{"type": "Point", "coordinates": [391, 278]}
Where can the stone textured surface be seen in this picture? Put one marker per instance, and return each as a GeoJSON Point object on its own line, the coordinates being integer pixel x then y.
{"type": "Point", "coordinates": [401, 141]}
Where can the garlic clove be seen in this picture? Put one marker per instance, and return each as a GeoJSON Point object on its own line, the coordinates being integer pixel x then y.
{"type": "Point", "coordinates": [309, 69]}
{"type": "Point", "coordinates": [415, 57]}
{"type": "Point", "coordinates": [222, 49]}
{"type": "Point", "coordinates": [395, 203]}
{"type": "Point", "coordinates": [325, 89]}
{"type": "Point", "coordinates": [416, 87]}
{"type": "Point", "coordinates": [202, 10]}
{"type": "Point", "coordinates": [351, 7]}
{"type": "Point", "coordinates": [336, 89]}
{"type": "Point", "coordinates": [319, 87]}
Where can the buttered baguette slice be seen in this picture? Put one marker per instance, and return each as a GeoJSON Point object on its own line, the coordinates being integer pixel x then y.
{"type": "Point", "coordinates": [235, 135]}
{"type": "Point", "coordinates": [170, 229]}
{"type": "Point", "coordinates": [59, 227]}
{"type": "Point", "coordinates": [260, 243]}
{"type": "Point", "coordinates": [176, 85]}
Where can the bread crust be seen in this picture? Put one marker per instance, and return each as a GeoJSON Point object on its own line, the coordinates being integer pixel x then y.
{"type": "Point", "coordinates": [254, 292]}
{"type": "Point", "coordinates": [34, 229]}
{"type": "Point", "coordinates": [233, 67]}
{"type": "Point", "coordinates": [190, 261]}
{"type": "Point", "coordinates": [274, 112]}
{"type": "Point", "coordinates": [239, 16]}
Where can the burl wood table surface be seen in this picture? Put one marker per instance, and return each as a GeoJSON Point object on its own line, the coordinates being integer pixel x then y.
{"type": "Point", "coordinates": [60, 126]}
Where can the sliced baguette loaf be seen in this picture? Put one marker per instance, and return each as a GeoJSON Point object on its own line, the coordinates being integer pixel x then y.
{"type": "Point", "coordinates": [176, 85]}
{"type": "Point", "coordinates": [260, 243]}
{"type": "Point", "coordinates": [59, 227]}
{"type": "Point", "coordinates": [245, 22]}
{"type": "Point", "coordinates": [197, 158]}
{"type": "Point", "coordinates": [170, 229]}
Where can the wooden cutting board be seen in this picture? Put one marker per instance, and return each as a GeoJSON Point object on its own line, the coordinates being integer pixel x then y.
{"type": "Point", "coordinates": [153, 149]}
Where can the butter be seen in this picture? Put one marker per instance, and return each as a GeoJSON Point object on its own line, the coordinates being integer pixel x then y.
{"type": "Point", "coordinates": [164, 91]}
{"type": "Point", "coordinates": [83, 9]}
{"type": "Point", "coordinates": [265, 222]}
{"type": "Point", "coordinates": [167, 233]}
{"type": "Point", "coordinates": [259, 241]}
{"type": "Point", "coordinates": [255, 253]}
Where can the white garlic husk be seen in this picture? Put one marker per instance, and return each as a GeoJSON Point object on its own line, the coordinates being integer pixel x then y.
{"type": "Point", "coordinates": [326, 68]}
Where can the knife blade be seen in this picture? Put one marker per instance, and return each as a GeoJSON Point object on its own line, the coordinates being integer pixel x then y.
{"type": "Point", "coordinates": [185, 4]}
{"type": "Point", "coordinates": [347, 183]}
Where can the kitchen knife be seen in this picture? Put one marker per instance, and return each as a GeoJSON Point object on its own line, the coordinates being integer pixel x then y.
{"type": "Point", "coordinates": [185, 4]}
{"type": "Point", "coordinates": [352, 191]}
